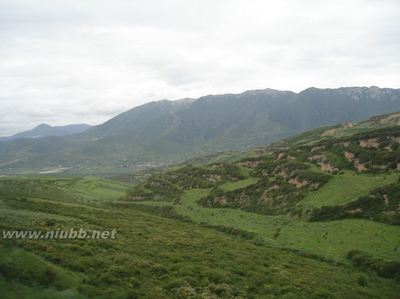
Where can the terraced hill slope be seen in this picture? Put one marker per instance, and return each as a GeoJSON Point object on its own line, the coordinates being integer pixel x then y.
{"type": "Point", "coordinates": [327, 191]}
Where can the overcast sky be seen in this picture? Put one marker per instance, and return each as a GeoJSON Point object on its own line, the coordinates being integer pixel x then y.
{"type": "Point", "coordinates": [84, 61]}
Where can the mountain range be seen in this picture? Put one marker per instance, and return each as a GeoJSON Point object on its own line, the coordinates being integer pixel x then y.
{"type": "Point", "coordinates": [45, 130]}
{"type": "Point", "coordinates": [165, 132]}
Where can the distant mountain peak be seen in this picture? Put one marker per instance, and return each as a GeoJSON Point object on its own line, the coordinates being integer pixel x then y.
{"type": "Point", "coordinates": [42, 126]}
{"type": "Point", "coordinates": [45, 130]}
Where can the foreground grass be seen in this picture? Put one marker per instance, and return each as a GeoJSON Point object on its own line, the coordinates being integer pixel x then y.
{"type": "Point", "coordinates": [12, 290]}
{"type": "Point", "coordinates": [155, 257]}
{"type": "Point", "coordinates": [332, 239]}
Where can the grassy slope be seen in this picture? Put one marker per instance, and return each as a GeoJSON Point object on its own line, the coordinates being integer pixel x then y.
{"type": "Point", "coordinates": [12, 290]}
{"type": "Point", "coordinates": [229, 186]}
{"type": "Point", "coordinates": [330, 239]}
{"type": "Point", "coordinates": [154, 257]}
{"type": "Point", "coordinates": [377, 122]}
{"type": "Point", "coordinates": [335, 239]}
{"type": "Point", "coordinates": [347, 187]}
{"type": "Point", "coordinates": [86, 189]}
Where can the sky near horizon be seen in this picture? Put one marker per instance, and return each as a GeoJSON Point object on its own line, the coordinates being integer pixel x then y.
{"type": "Point", "coordinates": [74, 61]}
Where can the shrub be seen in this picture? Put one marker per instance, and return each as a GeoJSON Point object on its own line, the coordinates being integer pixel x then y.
{"type": "Point", "coordinates": [231, 231]}
{"type": "Point", "coordinates": [380, 205]}
{"type": "Point", "coordinates": [362, 281]}
{"type": "Point", "coordinates": [364, 261]}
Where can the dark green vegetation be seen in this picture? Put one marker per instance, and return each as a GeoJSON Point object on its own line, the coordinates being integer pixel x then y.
{"type": "Point", "coordinates": [284, 177]}
{"type": "Point", "coordinates": [165, 132]}
{"type": "Point", "coordinates": [381, 204]}
{"type": "Point", "coordinates": [389, 269]}
{"type": "Point", "coordinates": [165, 186]}
{"type": "Point", "coordinates": [155, 255]}
{"type": "Point", "coordinates": [272, 195]}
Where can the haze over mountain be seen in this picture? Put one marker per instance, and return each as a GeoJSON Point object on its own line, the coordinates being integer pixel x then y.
{"type": "Point", "coordinates": [172, 131]}
{"type": "Point", "coordinates": [45, 130]}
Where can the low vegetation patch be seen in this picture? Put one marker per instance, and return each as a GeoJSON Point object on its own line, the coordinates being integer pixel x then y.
{"type": "Point", "coordinates": [384, 268]}
{"type": "Point", "coordinates": [382, 204]}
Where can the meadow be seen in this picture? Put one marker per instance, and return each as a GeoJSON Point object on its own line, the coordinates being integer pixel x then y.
{"type": "Point", "coordinates": [156, 256]}
{"type": "Point", "coordinates": [333, 239]}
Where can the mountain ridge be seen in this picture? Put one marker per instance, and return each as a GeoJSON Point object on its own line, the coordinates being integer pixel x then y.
{"type": "Point", "coordinates": [172, 131]}
{"type": "Point", "coordinates": [46, 130]}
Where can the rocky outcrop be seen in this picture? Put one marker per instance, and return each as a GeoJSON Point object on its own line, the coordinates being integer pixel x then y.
{"type": "Point", "coordinates": [326, 166]}
{"type": "Point", "coordinates": [369, 143]}
{"type": "Point", "coordinates": [322, 160]}
{"type": "Point", "coordinates": [215, 178]}
{"type": "Point", "coordinates": [281, 156]}
{"type": "Point", "coordinates": [298, 183]}
{"type": "Point", "coordinates": [359, 166]}
{"type": "Point", "coordinates": [349, 156]}
{"type": "Point", "coordinates": [283, 174]}
{"type": "Point", "coordinates": [220, 200]}
{"type": "Point", "coordinates": [329, 132]}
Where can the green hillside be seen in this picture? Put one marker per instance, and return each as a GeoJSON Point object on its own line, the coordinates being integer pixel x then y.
{"type": "Point", "coordinates": [327, 191]}
{"type": "Point", "coordinates": [155, 255]}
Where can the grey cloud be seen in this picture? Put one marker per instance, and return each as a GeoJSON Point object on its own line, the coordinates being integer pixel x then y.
{"type": "Point", "coordinates": [85, 61]}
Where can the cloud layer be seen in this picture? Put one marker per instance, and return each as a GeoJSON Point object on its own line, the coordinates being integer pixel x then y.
{"type": "Point", "coordinates": [71, 61]}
